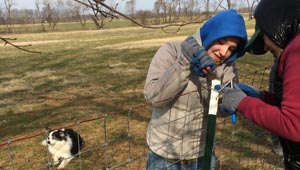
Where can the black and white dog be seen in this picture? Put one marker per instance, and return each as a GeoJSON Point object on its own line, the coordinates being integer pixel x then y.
{"type": "Point", "coordinates": [63, 145]}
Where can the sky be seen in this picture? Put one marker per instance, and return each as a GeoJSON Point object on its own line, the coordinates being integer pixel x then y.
{"type": "Point", "coordinates": [30, 4]}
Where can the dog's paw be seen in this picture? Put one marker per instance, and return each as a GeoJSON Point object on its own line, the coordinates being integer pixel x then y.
{"type": "Point", "coordinates": [61, 166]}
{"type": "Point", "coordinates": [55, 162]}
{"type": "Point", "coordinates": [64, 162]}
{"type": "Point", "coordinates": [44, 142]}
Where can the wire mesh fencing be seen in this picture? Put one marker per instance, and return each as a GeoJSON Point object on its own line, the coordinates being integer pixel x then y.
{"type": "Point", "coordinates": [118, 141]}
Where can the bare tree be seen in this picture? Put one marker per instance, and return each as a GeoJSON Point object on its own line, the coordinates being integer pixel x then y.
{"type": "Point", "coordinates": [157, 9]}
{"type": "Point", "coordinates": [161, 9]}
{"type": "Point", "coordinates": [100, 11]}
{"type": "Point", "coordinates": [190, 8]}
{"type": "Point", "coordinates": [78, 11]}
{"type": "Point", "coordinates": [207, 9]}
{"type": "Point", "coordinates": [113, 13]}
{"type": "Point", "coordinates": [251, 7]}
{"type": "Point", "coordinates": [165, 10]}
{"type": "Point", "coordinates": [229, 5]}
{"type": "Point", "coordinates": [171, 6]}
{"type": "Point", "coordinates": [39, 14]}
{"type": "Point", "coordinates": [143, 15]}
{"type": "Point", "coordinates": [8, 4]}
{"type": "Point", "coordinates": [25, 16]}
{"type": "Point", "coordinates": [49, 12]}
{"type": "Point", "coordinates": [131, 8]}
{"type": "Point", "coordinates": [2, 19]}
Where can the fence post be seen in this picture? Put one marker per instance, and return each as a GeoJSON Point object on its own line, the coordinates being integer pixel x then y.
{"type": "Point", "coordinates": [9, 142]}
{"type": "Point", "coordinates": [211, 125]}
{"type": "Point", "coordinates": [106, 142]}
{"type": "Point", "coordinates": [129, 136]}
{"type": "Point", "coordinates": [79, 146]}
{"type": "Point", "coordinates": [49, 163]}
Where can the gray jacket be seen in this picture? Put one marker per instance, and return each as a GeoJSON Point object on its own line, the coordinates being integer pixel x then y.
{"type": "Point", "coordinates": [180, 101]}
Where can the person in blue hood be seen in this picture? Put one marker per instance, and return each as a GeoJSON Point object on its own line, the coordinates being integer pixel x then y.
{"type": "Point", "coordinates": [176, 87]}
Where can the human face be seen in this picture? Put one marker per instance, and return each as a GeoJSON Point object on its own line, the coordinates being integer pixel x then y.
{"type": "Point", "coordinates": [272, 47]}
{"type": "Point", "coordinates": [222, 49]}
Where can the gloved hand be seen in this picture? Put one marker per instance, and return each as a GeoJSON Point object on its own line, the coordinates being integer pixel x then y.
{"type": "Point", "coordinates": [188, 47]}
{"type": "Point", "coordinates": [198, 57]}
{"type": "Point", "coordinates": [231, 99]}
{"type": "Point", "coordinates": [249, 90]}
{"type": "Point", "coordinates": [201, 61]}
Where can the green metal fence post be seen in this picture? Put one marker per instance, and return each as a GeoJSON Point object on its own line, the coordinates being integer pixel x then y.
{"type": "Point", "coordinates": [211, 126]}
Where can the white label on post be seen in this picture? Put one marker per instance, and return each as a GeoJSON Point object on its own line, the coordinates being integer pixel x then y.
{"type": "Point", "coordinates": [214, 97]}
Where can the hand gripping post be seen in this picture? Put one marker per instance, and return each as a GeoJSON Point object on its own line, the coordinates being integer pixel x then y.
{"type": "Point", "coordinates": [220, 89]}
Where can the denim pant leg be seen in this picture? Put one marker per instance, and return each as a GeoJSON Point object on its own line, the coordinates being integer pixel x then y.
{"type": "Point", "coordinates": [198, 165]}
{"type": "Point", "coordinates": [155, 162]}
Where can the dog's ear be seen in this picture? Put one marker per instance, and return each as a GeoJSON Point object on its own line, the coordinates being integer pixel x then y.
{"type": "Point", "coordinates": [48, 129]}
{"type": "Point", "coordinates": [62, 133]}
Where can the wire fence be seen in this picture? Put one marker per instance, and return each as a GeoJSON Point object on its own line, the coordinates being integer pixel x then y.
{"type": "Point", "coordinates": [107, 146]}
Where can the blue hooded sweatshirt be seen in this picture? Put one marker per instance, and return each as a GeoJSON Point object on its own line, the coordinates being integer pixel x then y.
{"type": "Point", "coordinates": [225, 24]}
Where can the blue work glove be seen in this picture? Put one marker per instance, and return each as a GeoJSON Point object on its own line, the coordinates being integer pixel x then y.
{"type": "Point", "coordinates": [198, 57]}
{"type": "Point", "coordinates": [249, 90]}
{"type": "Point", "coordinates": [201, 60]}
{"type": "Point", "coordinates": [231, 99]}
{"type": "Point", "coordinates": [188, 47]}
{"type": "Point", "coordinates": [232, 113]}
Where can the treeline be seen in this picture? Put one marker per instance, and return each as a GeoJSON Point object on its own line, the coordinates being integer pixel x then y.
{"type": "Point", "coordinates": [48, 13]}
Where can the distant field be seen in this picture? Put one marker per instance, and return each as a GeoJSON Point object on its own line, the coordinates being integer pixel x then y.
{"type": "Point", "coordinates": [80, 74]}
{"type": "Point", "coordinates": [76, 26]}
{"type": "Point", "coordinates": [66, 26]}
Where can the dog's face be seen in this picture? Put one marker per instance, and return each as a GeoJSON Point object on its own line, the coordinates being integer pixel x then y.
{"type": "Point", "coordinates": [56, 136]}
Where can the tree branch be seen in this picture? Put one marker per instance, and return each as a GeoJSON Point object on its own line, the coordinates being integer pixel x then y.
{"type": "Point", "coordinates": [95, 7]}
{"type": "Point", "coordinates": [20, 47]}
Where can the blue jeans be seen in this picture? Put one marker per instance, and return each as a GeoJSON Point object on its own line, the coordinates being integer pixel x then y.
{"type": "Point", "coordinates": [155, 162]}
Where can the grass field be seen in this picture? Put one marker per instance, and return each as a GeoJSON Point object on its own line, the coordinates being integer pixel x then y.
{"type": "Point", "coordinates": [81, 74]}
{"type": "Point", "coordinates": [75, 68]}
{"type": "Point", "coordinates": [64, 26]}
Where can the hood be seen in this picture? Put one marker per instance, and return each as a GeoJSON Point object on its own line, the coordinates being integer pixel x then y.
{"type": "Point", "coordinates": [225, 24]}
{"type": "Point", "coordinates": [279, 20]}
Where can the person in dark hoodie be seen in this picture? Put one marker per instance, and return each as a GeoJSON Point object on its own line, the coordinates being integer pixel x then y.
{"type": "Point", "coordinates": [277, 31]}
{"type": "Point", "coordinates": [178, 87]}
